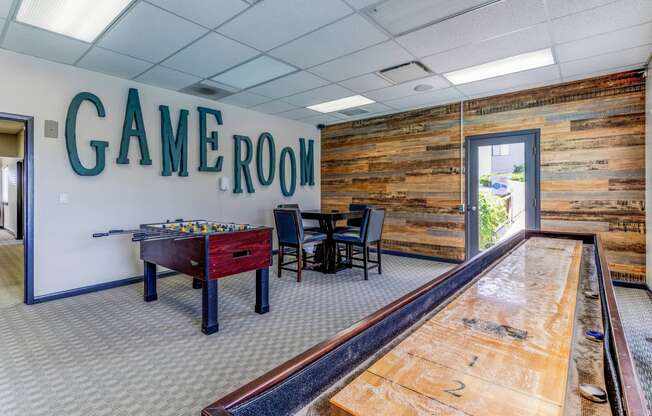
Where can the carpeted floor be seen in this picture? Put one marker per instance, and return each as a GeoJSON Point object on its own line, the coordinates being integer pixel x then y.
{"type": "Point", "coordinates": [110, 353]}
{"type": "Point", "coordinates": [635, 307]}
{"type": "Point", "coordinates": [11, 271]}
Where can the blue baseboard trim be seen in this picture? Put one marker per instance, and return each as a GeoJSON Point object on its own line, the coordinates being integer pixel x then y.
{"type": "Point", "coordinates": [96, 288]}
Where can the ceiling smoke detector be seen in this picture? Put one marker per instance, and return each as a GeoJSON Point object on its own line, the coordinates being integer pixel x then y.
{"type": "Point", "coordinates": [405, 72]}
{"type": "Point", "coordinates": [207, 91]}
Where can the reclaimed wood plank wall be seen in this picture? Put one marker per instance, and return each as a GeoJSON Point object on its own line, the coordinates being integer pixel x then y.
{"type": "Point", "coordinates": [592, 166]}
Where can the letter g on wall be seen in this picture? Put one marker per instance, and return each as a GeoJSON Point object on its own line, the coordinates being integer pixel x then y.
{"type": "Point", "coordinates": [71, 136]}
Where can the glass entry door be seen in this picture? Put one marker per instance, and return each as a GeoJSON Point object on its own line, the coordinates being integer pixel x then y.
{"type": "Point", "coordinates": [502, 187]}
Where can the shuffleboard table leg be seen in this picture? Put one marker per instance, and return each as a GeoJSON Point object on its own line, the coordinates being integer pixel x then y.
{"type": "Point", "coordinates": [262, 290]}
{"type": "Point", "coordinates": [150, 282]}
{"type": "Point", "coordinates": [209, 323]}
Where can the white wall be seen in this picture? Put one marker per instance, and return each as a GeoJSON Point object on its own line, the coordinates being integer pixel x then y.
{"type": "Point", "coordinates": [11, 210]}
{"type": "Point", "coordinates": [123, 196]}
{"type": "Point", "coordinates": [648, 176]}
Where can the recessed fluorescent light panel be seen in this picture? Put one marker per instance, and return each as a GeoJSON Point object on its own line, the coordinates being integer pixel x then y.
{"type": "Point", "coordinates": [254, 72]}
{"type": "Point", "coordinates": [79, 19]}
{"type": "Point", "coordinates": [341, 104]}
{"type": "Point", "coordinates": [500, 67]}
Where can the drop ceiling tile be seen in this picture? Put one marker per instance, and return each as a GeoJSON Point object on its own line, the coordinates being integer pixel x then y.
{"type": "Point", "coordinates": [254, 72]}
{"type": "Point", "coordinates": [372, 59]}
{"type": "Point", "coordinates": [209, 55]}
{"type": "Point", "coordinates": [607, 42]}
{"type": "Point", "coordinates": [601, 73]}
{"type": "Point", "coordinates": [361, 4]}
{"type": "Point", "coordinates": [271, 23]}
{"type": "Point", "coordinates": [321, 119]}
{"type": "Point", "coordinates": [633, 57]}
{"type": "Point", "coordinates": [340, 38]}
{"type": "Point", "coordinates": [209, 13]}
{"type": "Point", "coordinates": [43, 44]}
{"type": "Point", "coordinates": [288, 85]}
{"type": "Point", "coordinates": [558, 8]}
{"type": "Point", "coordinates": [426, 99]}
{"type": "Point", "coordinates": [372, 108]}
{"type": "Point", "coordinates": [402, 16]}
{"type": "Point", "coordinates": [602, 19]}
{"type": "Point", "coordinates": [113, 63]}
{"type": "Point", "coordinates": [167, 78]}
{"type": "Point", "coordinates": [495, 20]}
{"type": "Point", "coordinates": [322, 94]}
{"type": "Point", "coordinates": [365, 83]}
{"type": "Point", "coordinates": [245, 99]}
{"type": "Point", "coordinates": [5, 7]}
{"type": "Point", "coordinates": [150, 33]}
{"type": "Point", "coordinates": [407, 88]}
{"type": "Point", "coordinates": [274, 107]}
{"type": "Point", "coordinates": [544, 74]}
{"type": "Point", "coordinates": [523, 87]}
{"type": "Point", "coordinates": [525, 40]}
{"type": "Point", "coordinates": [299, 113]}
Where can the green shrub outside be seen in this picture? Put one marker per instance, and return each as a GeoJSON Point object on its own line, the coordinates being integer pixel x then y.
{"type": "Point", "coordinates": [493, 214]}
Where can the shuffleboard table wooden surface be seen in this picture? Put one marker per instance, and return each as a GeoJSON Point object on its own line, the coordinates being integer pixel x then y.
{"type": "Point", "coordinates": [501, 348]}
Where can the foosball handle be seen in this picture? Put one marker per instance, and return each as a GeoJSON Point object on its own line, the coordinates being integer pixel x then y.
{"type": "Point", "coordinates": [95, 235]}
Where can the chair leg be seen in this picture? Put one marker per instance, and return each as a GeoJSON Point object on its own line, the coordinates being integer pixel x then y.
{"type": "Point", "coordinates": [299, 262]}
{"type": "Point", "coordinates": [380, 264]}
{"type": "Point", "coordinates": [280, 260]}
{"type": "Point", "coordinates": [305, 259]}
{"type": "Point", "coordinates": [349, 255]}
{"type": "Point", "coordinates": [365, 258]}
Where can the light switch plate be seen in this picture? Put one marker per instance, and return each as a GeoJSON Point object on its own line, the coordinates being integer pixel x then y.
{"type": "Point", "coordinates": [63, 199]}
{"type": "Point", "coordinates": [224, 184]}
{"type": "Point", "coordinates": [51, 129]}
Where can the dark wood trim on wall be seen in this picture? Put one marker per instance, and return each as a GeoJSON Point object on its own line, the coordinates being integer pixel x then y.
{"type": "Point", "coordinates": [592, 149]}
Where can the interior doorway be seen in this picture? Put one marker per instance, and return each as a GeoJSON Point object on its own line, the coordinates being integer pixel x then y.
{"type": "Point", "coordinates": [16, 214]}
{"type": "Point", "coordinates": [502, 187]}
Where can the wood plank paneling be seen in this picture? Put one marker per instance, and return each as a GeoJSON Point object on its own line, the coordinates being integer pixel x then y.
{"type": "Point", "coordinates": [592, 166]}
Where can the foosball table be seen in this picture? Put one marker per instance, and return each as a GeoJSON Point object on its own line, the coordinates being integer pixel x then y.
{"type": "Point", "coordinates": [206, 251]}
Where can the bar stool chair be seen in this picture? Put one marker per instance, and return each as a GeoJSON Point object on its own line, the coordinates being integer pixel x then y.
{"type": "Point", "coordinates": [369, 233]}
{"type": "Point", "coordinates": [291, 235]}
{"type": "Point", "coordinates": [307, 225]}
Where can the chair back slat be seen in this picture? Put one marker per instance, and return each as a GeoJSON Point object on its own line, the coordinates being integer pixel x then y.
{"type": "Point", "coordinates": [289, 227]}
{"type": "Point", "coordinates": [374, 225]}
{"type": "Point", "coordinates": [356, 222]}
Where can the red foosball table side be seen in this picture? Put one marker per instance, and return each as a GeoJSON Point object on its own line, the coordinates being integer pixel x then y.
{"type": "Point", "coordinates": [238, 252]}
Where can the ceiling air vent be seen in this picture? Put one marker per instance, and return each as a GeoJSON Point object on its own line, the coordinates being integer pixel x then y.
{"type": "Point", "coordinates": [350, 112]}
{"type": "Point", "coordinates": [405, 72]}
{"type": "Point", "coordinates": [207, 91]}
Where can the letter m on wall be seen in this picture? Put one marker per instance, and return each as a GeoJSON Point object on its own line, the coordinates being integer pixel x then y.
{"type": "Point", "coordinates": [307, 162]}
{"type": "Point", "coordinates": [175, 150]}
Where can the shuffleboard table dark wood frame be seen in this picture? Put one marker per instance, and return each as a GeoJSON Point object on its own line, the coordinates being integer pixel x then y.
{"type": "Point", "coordinates": [208, 258]}
{"type": "Point", "coordinates": [294, 384]}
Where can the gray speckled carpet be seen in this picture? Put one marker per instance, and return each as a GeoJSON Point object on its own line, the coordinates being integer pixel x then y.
{"type": "Point", "coordinates": [110, 353]}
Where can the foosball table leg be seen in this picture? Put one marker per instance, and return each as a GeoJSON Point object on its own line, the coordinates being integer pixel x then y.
{"type": "Point", "coordinates": [196, 284]}
{"type": "Point", "coordinates": [150, 282]}
{"type": "Point", "coordinates": [262, 290]}
{"type": "Point", "coordinates": [209, 323]}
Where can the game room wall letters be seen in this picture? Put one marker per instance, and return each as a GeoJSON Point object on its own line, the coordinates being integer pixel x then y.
{"type": "Point", "coordinates": [175, 147]}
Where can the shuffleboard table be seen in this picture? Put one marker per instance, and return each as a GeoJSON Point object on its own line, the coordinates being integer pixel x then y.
{"type": "Point", "coordinates": [207, 251]}
{"type": "Point", "coordinates": [511, 331]}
